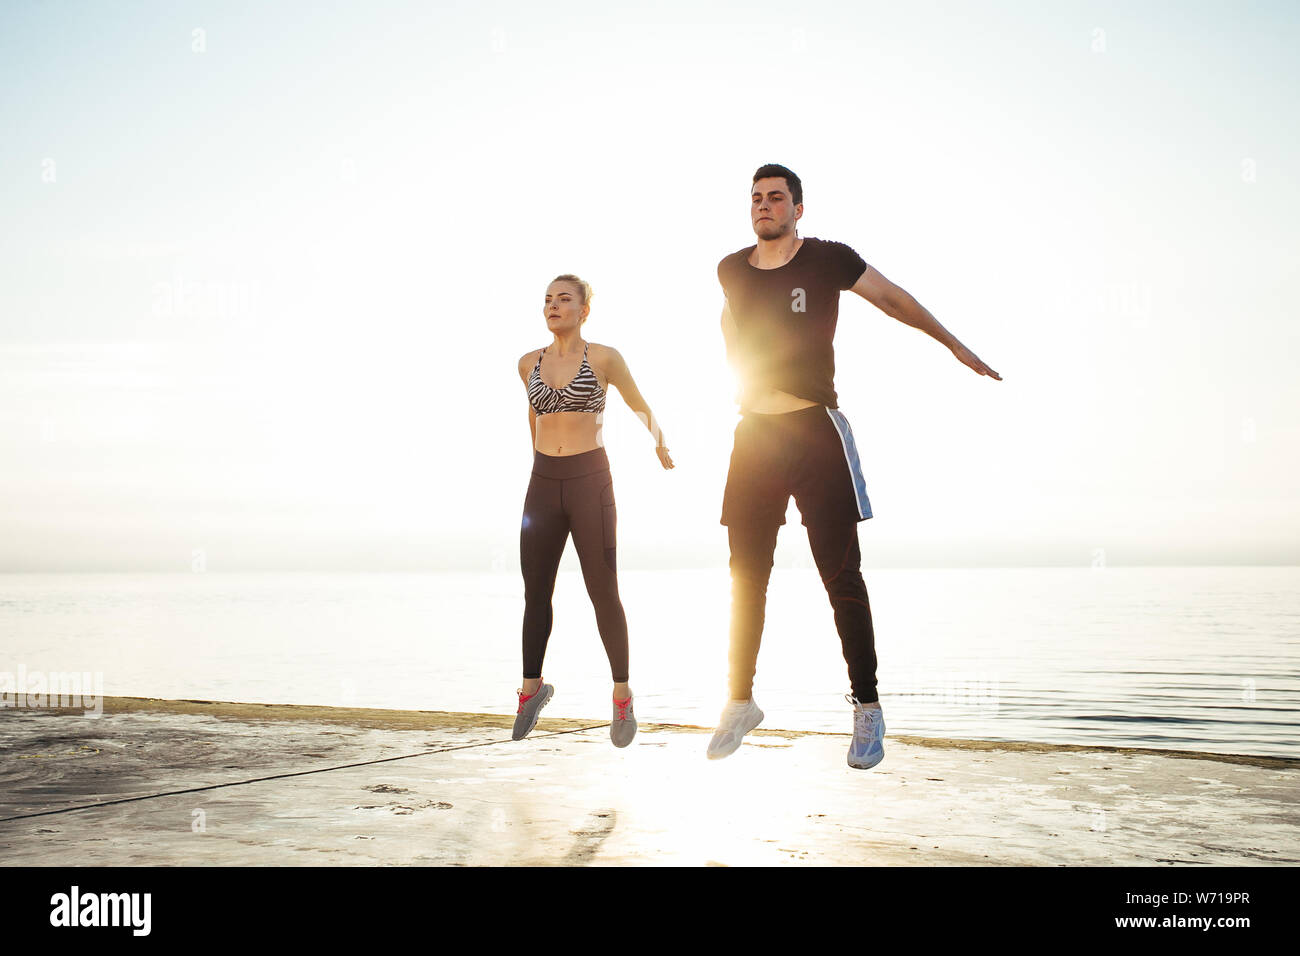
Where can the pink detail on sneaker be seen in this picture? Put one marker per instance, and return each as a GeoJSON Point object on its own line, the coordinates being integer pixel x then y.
{"type": "Point", "coordinates": [622, 705]}
{"type": "Point", "coordinates": [526, 697]}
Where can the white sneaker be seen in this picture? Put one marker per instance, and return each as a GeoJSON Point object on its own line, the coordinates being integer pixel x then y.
{"type": "Point", "coordinates": [868, 745]}
{"type": "Point", "coordinates": [738, 718]}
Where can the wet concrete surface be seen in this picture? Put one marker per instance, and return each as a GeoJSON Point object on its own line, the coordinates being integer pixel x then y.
{"type": "Point", "coordinates": [251, 784]}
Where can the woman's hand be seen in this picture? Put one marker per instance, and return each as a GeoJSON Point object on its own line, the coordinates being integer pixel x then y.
{"type": "Point", "coordinates": [662, 452]}
{"type": "Point", "coordinates": [971, 360]}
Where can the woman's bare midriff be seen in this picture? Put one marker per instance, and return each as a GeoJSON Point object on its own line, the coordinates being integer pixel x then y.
{"type": "Point", "coordinates": [569, 433]}
{"type": "Point", "coordinates": [773, 401]}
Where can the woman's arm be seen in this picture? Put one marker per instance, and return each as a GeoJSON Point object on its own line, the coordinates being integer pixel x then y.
{"type": "Point", "coordinates": [621, 378]}
{"type": "Point", "coordinates": [525, 367]}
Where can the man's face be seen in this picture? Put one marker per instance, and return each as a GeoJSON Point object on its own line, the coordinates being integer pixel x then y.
{"type": "Point", "coordinates": [771, 211]}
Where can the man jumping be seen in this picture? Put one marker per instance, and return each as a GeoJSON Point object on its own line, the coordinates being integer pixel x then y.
{"type": "Point", "coordinates": [778, 320]}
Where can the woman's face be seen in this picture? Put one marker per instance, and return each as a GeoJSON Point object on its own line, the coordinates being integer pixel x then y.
{"type": "Point", "coordinates": [564, 309]}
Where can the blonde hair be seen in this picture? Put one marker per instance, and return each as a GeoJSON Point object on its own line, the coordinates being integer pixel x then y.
{"type": "Point", "coordinates": [582, 285]}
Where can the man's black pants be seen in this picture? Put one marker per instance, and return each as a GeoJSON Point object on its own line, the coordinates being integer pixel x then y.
{"type": "Point", "coordinates": [811, 455]}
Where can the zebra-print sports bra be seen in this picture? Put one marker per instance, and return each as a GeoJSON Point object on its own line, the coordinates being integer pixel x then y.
{"type": "Point", "coordinates": [583, 394]}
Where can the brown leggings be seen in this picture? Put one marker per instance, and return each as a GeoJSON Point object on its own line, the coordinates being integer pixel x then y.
{"type": "Point", "coordinates": [571, 494]}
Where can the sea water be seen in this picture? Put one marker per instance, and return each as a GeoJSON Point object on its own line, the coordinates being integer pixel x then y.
{"type": "Point", "coordinates": [1200, 658]}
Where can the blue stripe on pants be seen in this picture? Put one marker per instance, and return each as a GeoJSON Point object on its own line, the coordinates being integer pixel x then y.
{"type": "Point", "coordinates": [851, 456]}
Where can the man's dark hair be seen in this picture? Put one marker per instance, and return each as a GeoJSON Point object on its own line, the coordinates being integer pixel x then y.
{"type": "Point", "coordinates": [791, 180]}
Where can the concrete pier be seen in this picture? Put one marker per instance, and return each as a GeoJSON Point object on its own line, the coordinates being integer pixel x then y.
{"type": "Point", "coordinates": [161, 782]}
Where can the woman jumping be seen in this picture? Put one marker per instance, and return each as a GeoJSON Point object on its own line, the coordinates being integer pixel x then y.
{"type": "Point", "coordinates": [571, 491]}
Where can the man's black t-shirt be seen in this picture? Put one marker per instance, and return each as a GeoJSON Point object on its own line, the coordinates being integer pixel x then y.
{"type": "Point", "coordinates": [785, 317]}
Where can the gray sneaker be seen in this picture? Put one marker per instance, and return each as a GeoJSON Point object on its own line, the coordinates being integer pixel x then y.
{"type": "Point", "coordinates": [623, 727]}
{"type": "Point", "coordinates": [529, 709]}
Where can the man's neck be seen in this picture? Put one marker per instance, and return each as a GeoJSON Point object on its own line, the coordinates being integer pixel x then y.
{"type": "Point", "coordinates": [774, 253]}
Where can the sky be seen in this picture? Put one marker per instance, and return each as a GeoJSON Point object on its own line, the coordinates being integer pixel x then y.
{"type": "Point", "coordinates": [268, 270]}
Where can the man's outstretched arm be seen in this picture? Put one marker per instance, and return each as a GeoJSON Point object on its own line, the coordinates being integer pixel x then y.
{"type": "Point", "coordinates": [896, 302]}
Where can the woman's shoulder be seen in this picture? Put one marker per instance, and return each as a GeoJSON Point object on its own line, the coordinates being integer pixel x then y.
{"type": "Point", "coordinates": [526, 363]}
{"type": "Point", "coordinates": [602, 353]}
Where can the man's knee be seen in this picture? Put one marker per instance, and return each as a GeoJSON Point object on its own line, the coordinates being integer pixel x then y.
{"type": "Point", "coordinates": [847, 588]}
{"type": "Point", "coordinates": [752, 546]}
{"type": "Point", "coordinates": [835, 551]}
{"type": "Point", "coordinates": [750, 571]}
